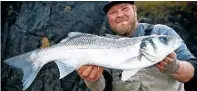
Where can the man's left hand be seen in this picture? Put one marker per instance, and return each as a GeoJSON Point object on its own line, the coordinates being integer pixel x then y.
{"type": "Point", "coordinates": [168, 64]}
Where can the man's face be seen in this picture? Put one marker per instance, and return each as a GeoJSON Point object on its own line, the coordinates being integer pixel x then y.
{"type": "Point", "coordinates": [122, 18]}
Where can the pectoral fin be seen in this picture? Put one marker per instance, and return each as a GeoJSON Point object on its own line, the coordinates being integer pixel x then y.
{"type": "Point", "coordinates": [127, 74]}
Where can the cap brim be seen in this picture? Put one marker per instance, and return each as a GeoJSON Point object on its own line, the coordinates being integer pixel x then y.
{"type": "Point", "coordinates": [112, 3]}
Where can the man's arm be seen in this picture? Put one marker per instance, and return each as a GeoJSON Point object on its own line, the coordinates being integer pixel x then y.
{"type": "Point", "coordinates": [185, 71]}
{"type": "Point", "coordinates": [191, 84]}
{"type": "Point", "coordinates": [98, 85]}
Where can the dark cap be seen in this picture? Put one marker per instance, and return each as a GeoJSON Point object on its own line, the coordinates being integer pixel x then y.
{"type": "Point", "coordinates": [112, 3]}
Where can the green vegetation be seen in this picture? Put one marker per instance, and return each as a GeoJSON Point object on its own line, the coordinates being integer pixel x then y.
{"type": "Point", "coordinates": [163, 11]}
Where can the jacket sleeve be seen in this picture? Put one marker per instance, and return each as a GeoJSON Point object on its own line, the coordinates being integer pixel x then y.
{"type": "Point", "coordinates": [98, 85]}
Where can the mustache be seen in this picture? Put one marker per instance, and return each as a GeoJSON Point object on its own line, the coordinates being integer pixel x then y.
{"type": "Point", "coordinates": [121, 19]}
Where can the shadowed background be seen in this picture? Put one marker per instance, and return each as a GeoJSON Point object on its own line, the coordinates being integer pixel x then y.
{"type": "Point", "coordinates": [26, 24]}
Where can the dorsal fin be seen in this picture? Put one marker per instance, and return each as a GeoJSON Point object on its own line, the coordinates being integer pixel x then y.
{"type": "Point", "coordinates": [113, 36]}
{"type": "Point", "coordinates": [72, 35]}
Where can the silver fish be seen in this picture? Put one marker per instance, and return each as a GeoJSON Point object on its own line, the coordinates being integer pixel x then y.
{"type": "Point", "coordinates": [128, 54]}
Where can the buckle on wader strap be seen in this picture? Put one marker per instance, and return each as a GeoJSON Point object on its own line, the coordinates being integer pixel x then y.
{"type": "Point", "coordinates": [148, 30]}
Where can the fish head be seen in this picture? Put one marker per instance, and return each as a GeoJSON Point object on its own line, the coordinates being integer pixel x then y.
{"type": "Point", "coordinates": [157, 47]}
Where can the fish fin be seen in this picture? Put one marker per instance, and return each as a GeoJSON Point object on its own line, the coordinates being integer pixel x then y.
{"type": "Point", "coordinates": [113, 36]}
{"type": "Point", "coordinates": [129, 73]}
{"type": "Point", "coordinates": [64, 40]}
{"type": "Point", "coordinates": [64, 69]}
{"type": "Point", "coordinates": [134, 61]}
{"type": "Point", "coordinates": [72, 35]}
{"type": "Point", "coordinates": [75, 34]}
{"type": "Point", "coordinates": [25, 63]}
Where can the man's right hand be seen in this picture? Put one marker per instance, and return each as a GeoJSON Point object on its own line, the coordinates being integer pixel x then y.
{"type": "Point", "coordinates": [90, 72]}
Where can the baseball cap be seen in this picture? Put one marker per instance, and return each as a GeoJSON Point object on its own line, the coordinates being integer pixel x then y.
{"type": "Point", "coordinates": [112, 3]}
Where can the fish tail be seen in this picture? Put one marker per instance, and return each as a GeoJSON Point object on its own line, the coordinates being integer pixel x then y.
{"type": "Point", "coordinates": [27, 65]}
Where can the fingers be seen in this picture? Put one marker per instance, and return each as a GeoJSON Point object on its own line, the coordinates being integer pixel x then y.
{"type": "Point", "coordinates": [87, 72]}
{"type": "Point", "coordinates": [166, 60]}
{"type": "Point", "coordinates": [168, 64]}
{"type": "Point", "coordinates": [94, 75]}
{"type": "Point", "coordinates": [172, 55]}
{"type": "Point", "coordinates": [163, 63]}
{"type": "Point", "coordinates": [170, 58]}
{"type": "Point", "coordinates": [161, 66]}
{"type": "Point", "coordinates": [90, 72]}
{"type": "Point", "coordinates": [82, 69]}
{"type": "Point", "coordinates": [161, 69]}
{"type": "Point", "coordinates": [100, 72]}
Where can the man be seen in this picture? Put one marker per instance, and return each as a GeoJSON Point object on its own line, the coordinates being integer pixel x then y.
{"type": "Point", "coordinates": [122, 19]}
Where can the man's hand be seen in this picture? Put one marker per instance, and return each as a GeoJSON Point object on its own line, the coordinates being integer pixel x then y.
{"type": "Point", "coordinates": [169, 64]}
{"type": "Point", "coordinates": [90, 72]}
{"type": "Point", "coordinates": [182, 71]}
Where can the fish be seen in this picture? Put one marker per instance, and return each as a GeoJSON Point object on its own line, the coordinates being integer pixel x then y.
{"type": "Point", "coordinates": [78, 49]}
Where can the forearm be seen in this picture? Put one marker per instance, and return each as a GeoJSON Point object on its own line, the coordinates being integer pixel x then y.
{"type": "Point", "coordinates": [185, 72]}
{"type": "Point", "coordinates": [98, 85]}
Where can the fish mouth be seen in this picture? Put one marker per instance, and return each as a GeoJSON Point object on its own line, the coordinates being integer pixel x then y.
{"type": "Point", "coordinates": [147, 55]}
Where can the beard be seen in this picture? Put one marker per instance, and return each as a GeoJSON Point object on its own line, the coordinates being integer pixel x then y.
{"type": "Point", "coordinates": [124, 28]}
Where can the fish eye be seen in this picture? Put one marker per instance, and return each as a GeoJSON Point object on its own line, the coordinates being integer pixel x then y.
{"type": "Point", "coordinates": [163, 40]}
